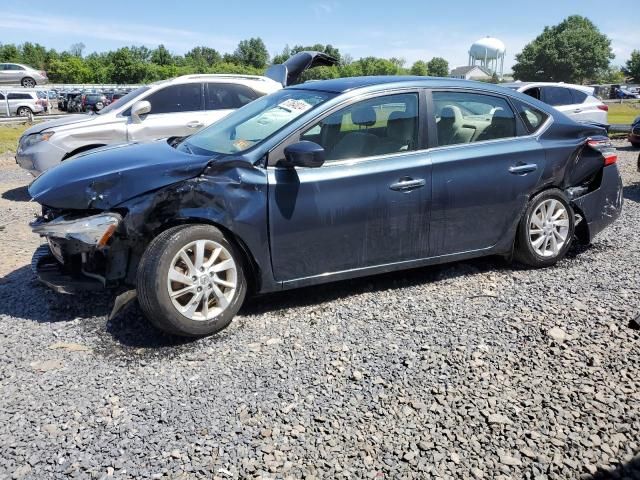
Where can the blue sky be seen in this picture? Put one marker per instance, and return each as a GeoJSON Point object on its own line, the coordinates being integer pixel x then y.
{"type": "Point", "coordinates": [409, 29]}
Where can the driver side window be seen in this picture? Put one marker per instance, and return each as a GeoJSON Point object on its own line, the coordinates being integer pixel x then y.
{"type": "Point", "coordinates": [378, 126]}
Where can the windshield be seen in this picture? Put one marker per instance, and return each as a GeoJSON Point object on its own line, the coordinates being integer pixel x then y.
{"type": "Point", "coordinates": [254, 122]}
{"type": "Point", "coordinates": [123, 100]}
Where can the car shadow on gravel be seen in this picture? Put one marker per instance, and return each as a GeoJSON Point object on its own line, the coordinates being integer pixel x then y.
{"type": "Point", "coordinates": [629, 470]}
{"type": "Point", "coordinates": [632, 192]}
{"type": "Point", "coordinates": [19, 194]}
{"type": "Point", "coordinates": [319, 294]}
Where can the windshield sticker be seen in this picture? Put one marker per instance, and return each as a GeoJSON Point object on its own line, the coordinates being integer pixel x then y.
{"type": "Point", "coordinates": [242, 144]}
{"type": "Point", "coordinates": [297, 105]}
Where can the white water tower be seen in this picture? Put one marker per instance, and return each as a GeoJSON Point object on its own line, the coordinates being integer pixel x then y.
{"type": "Point", "coordinates": [489, 53]}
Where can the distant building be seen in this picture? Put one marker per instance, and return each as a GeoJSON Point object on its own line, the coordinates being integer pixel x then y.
{"type": "Point", "coordinates": [472, 72]}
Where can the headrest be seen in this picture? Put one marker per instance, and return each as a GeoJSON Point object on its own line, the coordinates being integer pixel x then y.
{"type": "Point", "coordinates": [401, 127]}
{"type": "Point", "coordinates": [451, 113]}
{"type": "Point", "coordinates": [364, 116]}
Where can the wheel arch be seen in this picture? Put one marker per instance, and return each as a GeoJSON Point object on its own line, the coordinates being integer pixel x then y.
{"type": "Point", "coordinates": [83, 149]}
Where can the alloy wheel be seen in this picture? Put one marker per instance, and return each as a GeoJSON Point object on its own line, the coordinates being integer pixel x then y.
{"type": "Point", "coordinates": [549, 228]}
{"type": "Point", "coordinates": [28, 83]}
{"type": "Point", "coordinates": [202, 280]}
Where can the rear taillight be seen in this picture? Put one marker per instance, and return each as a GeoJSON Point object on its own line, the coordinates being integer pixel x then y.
{"type": "Point", "coordinates": [603, 107]}
{"type": "Point", "coordinates": [604, 146]}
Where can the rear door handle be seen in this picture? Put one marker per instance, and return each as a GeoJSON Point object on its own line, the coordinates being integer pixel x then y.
{"type": "Point", "coordinates": [407, 184]}
{"type": "Point", "coordinates": [522, 169]}
{"type": "Point", "coordinates": [577, 110]}
{"type": "Point", "coordinates": [195, 124]}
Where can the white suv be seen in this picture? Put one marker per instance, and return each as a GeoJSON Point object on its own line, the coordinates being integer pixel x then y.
{"type": "Point", "coordinates": [575, 101]}
{"type": "Point", "coordinates": [171, 108]}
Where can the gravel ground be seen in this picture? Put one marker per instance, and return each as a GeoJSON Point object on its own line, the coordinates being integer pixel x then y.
{"type": "Point", "coordinates": [470, 370]}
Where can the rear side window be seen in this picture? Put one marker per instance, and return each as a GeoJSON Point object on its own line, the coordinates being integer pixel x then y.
{"type": "Point", "coordinates": [557, 96]}
{"type": "Point", "coordinates": [1, 96]}
{"type": "Point", "coordinates": [19, 96]}
{"type": "Point", "coordinates": [579, 96]}
{"type": "Point", "coordinates": [472, 117]}
{"type": "Point", "coordinates": [177, 98]}
{"type": "Point", "coordinates": [532, 118]}
{"type": "Point", "coordinates": [14, 67]}
{"type": "Point", "coordinates": [222, 96]}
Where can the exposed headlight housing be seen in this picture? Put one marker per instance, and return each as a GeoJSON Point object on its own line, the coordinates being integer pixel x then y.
{"type": "Point", "coordinates": [34, 138]}
{"type": "Point", "coordinates": [95, 230]}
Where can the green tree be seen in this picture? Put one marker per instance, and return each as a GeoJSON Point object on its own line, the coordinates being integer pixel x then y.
{"type": "Point", "coordinates": [632, 67]}
{"type": "Point", "coordinates": [124, 68]}
{"type": "Point", "coordinates": [161, 56]}
{"type": "Point", "coordinates": [419, 68]}
{"type": "Point", "coordinates": [572, 51]}
{"type": "Point", "coordinates": [34, 55]}
{"type": "Point", "coordinates": [203, 56]}
{"type": "Point", "coordinates": [9, 53]}
{"type": "Point", "coordinates": [438, 67]}
{"type": "Point", "coordinates": [70, 69]}
{"type": "Point", "coordinates": [252, 52]}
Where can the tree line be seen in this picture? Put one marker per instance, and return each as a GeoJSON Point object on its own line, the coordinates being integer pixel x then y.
{"type": "Point", "coordinates": [140, 64]}
{"type": "Point", "coordinates": [572, 51]}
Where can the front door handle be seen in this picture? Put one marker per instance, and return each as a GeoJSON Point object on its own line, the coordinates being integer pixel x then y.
{"type": "Point", "coordinates": [195, 124]}
{"type": "Point", "coordinates": [407, 184]}
{"type": "Point", "coordinates": [522, 169]}
{"type": "Point", "coordinates": [577, 110]}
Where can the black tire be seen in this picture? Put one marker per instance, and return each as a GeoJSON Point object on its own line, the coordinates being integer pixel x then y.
{"type": "Point", "coordinates": [28, 82]}
{"type": "Point", "coordinates": [524, 251]}
{"type": "Point", "coordinates": [24, 112]}
{"type": "Point", "coordinates": [152, 282]}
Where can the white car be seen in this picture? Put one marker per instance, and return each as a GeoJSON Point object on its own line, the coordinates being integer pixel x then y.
{"type": "Point", "coordinates": [575, 101]}
{"type": "Point", "coordinates": [17, 74]}
{"type": "Point", "coordinates": [171, 108]}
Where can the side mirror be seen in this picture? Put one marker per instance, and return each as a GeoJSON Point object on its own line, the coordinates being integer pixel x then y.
{"type": "Point", "coordinates": [303, 154]}
{"type": "Point", "coordinates": [139, 109]}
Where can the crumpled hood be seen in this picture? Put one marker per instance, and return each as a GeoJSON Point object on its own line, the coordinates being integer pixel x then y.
{"type": "Point", "coordinates": [108, 176]}
{"type": "Point", "coordinates": [59, 122]}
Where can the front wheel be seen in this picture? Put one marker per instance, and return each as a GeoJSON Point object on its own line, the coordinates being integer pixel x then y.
{"type": "Point", "coordinates": [191, 281]}
{"type": "Point", "coordinates": [546, 230]}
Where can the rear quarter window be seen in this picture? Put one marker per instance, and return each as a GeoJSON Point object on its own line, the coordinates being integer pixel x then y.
{"type": "Point", "coordinates": [579, 96]}
{"type": "Point", "coordinates": [532, 118]}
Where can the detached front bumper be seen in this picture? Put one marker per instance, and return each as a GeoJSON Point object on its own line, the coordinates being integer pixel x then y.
{"type": "Point", "coordinates": [602, 206]}
{"type": "Point", "coordinates": [51, 272]}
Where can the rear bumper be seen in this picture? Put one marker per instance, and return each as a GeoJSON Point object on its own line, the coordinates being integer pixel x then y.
{"type": "Point", "coordinates": [603, 206]}
{"type": "Point", "coordinates": [50, 272]}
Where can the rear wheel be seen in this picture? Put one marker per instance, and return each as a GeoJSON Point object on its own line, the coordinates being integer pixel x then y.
{"type": "Point", "coordinates": [191, 281]}
{"type": "Point", "coordinates": [28, 82]}
{"type": "Point", "coordinates": [546, 230]}
{"type": "Point", "coordinates": [24, 112]}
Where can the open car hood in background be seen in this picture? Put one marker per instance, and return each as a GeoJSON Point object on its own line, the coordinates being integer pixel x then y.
{"type": "Point", "coordinates": [289, 72]}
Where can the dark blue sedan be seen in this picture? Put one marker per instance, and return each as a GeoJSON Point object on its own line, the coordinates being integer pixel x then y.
{"type": "Point", "coordinates": [324, 181]}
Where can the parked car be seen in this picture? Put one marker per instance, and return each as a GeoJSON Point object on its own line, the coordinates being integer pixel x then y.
{"type": "Point", "coordinates": [93, 102]}
{"type": "Point", "coordinates": [176, 107]}
{"type": "Point", "coordinates": [624, 93]}
{"type": "Point", "coordinates": [634, 134]}
{"type": "Point", "coordinates": [21, 103]}
{"type": "Point", "coordinates": [74, 105]}
{"type": "Point", "coordinates": [114, 97]}
{"type": "Point", "coordinates": [319, 182]}
{"type": "Point", "coordinates": [575, 101]}
{"type": "Point", "coordinates": [67, 97]}
{"type": "Point", "coordinates": [16, 74]}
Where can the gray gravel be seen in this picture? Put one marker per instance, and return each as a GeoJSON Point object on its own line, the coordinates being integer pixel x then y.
{"type": "Point", "coordinates": [470, 370]}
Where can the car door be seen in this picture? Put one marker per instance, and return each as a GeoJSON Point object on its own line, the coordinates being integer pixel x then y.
{"type": "Point", "coordinates": [176, 110]}
{"type": "Point", "coordinates": [220, 99]}
{"type": "Point", "coordinates": [5, 74]}
{"type": "Point", "coordinates": [484, 164]}
{"type": "Point", "coordinates": [561, 99]}
{"type": "Point", "coordinates": [368, 205]}
{"type": "Point", "coordinates": [15, 73]}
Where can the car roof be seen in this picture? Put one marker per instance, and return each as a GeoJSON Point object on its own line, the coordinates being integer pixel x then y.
{"type": "Point", "coordinates": [341, 85]}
